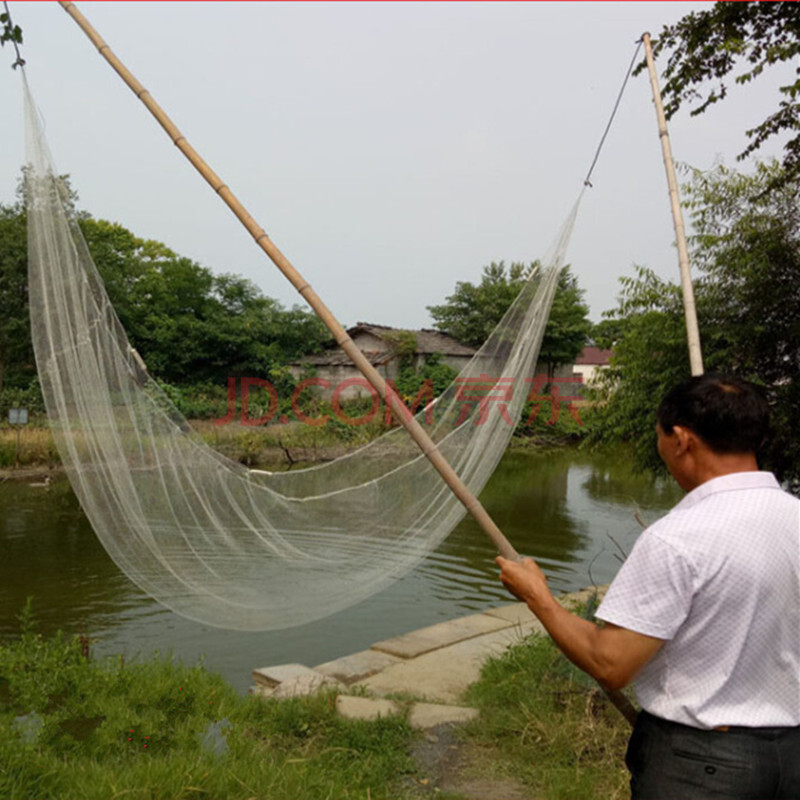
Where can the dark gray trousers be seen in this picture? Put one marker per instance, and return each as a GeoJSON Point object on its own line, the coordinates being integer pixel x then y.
{"type": "Point", "coordinates": [670, 761]}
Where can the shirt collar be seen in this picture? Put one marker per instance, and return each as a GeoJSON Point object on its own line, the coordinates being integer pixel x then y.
{"type": "Point", "coordinates": [729, 483]}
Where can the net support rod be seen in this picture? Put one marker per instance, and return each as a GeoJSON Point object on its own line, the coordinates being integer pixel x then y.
{"type": "Point", "coordinates": [689, 309]}
{"type": "Point", "coordinates": [417, 432]}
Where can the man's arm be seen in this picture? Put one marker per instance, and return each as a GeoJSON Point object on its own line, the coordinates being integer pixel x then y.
{"type": "Point", "coordinates": [613, 656]}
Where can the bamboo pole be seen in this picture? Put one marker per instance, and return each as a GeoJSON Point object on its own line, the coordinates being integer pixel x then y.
{"type": "Point", "coordinates": [417, 432]}
{"type": "Point", "coordinates": [689, 309]}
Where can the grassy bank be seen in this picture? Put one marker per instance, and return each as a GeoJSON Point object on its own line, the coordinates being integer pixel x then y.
{"type": "Point", "coordinates": [272, 446]}
{"type": "Point", "coordinates": [72, 727]}
{"type": "Point", "coordinates": [75, 727]}
{"type": "Point", "coordinates": [269, 446]}
{"type": "Point", "coordinates": [545, 723]}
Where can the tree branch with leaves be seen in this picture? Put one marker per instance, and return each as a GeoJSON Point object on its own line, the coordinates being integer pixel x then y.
{"type": "Point", "coordinates": [739, 41]}
{"type": "Point", "coordinates": [9, 32]}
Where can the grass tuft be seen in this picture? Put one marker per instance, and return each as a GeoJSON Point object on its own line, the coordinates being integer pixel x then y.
{"type": "Point", "coordinates": [547, 724]}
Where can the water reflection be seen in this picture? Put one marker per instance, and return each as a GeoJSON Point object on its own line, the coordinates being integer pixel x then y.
{"type": "Point", "coordinates": [48, 551]}
{"type": "Point", "coordinates": [568, 510]}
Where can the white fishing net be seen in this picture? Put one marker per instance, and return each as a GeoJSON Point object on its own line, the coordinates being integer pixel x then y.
{"type": "Point", "coordinates": [204, 535]}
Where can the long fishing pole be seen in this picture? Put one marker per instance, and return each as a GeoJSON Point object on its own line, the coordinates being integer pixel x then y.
{"type": "Point", "coordinates": [340, 335]}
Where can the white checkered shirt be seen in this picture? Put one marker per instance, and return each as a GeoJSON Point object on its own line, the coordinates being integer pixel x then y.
{"type": "Point", "coordinates": [719, 579]}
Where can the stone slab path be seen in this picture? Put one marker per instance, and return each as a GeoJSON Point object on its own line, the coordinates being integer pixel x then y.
{"type": "Point", "coordinates": [424, 675]}
{"type": "Point", "coordinates": [429, 668]}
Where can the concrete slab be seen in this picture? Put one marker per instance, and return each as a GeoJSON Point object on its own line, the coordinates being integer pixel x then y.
{"type": "Point", "coordinates": [442, 675]}
{"type": "Point", "coordinates": [304, 685]}
{"type": "Point", "coordinates": [357, 666]}
{"type": "Point", "coordinates": [515, 613]}
{"type": "Point", "coordinates": [429, 715]}
{"type": "Point", "coordinates": [365, 708]}
{"type": "Point", "coordinates": [272, 676]}
{"type": "Point", "coordinates": [434, 637]}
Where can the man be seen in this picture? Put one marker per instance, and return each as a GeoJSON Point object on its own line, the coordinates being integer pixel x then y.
{"type": "Point", "coordinates": [705, 613]}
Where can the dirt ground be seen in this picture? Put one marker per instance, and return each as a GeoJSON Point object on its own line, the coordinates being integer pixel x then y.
{"type": "Point", "coordinates": [448, 767]}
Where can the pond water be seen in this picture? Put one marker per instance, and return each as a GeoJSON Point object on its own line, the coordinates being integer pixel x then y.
{"type": "Point", "coordinates": [572, 511]}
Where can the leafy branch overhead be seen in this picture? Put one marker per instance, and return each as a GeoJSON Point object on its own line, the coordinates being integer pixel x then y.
{"type": "Point", "coordinates": [11, 32]}
{"type": "Point", "coordinates": [737, 40]}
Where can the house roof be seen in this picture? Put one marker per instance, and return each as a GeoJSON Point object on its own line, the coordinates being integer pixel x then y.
{"type": "Point", "coordinates": [338, 358]}
{"type": "Point", "coordinates": [428, 340]}
{"type": "Point", "coordinates": [592, 355]}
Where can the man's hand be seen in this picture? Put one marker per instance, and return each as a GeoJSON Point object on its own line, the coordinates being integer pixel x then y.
{"type": "Point", "coordinates": [525, 580]}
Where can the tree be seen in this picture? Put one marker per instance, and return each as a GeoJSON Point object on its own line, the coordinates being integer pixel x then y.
{"type": "Point", "coordinates": [650, 356]}
{"type": "Point", "coordinates": [568, 326]}
{"type": "Point", "coordinates": [16, 351]}
{"type": "Point", "coordinates": [472, 312]}
{"type": "Point", "coordinates": [714, 43]}
{"type": "Point", "coordinates": [747, 252]}
{"type": "Point", "coordinates": [189, 325]}
{"type": "Point", "coordinates": [748, 248]}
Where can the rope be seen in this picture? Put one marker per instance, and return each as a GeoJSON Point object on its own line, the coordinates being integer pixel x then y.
{"type": "Point", "coordinates": [10, 35]}
{"type": "Point", "coordinates": [613, 114]}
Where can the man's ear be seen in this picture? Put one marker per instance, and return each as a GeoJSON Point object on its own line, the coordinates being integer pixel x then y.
{"type": "Point", "coordinates": [684, 439]}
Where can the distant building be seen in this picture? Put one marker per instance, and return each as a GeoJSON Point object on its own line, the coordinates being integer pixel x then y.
{"type": "Point", "coordinates": [590, 361]}
{"type": "Point", "coordinates": [385, 347]}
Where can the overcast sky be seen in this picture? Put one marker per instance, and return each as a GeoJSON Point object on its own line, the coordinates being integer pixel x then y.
{"type": "Point", "coordinates": [389, 149]}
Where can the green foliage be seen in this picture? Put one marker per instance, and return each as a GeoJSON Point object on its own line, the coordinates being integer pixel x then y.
{"type": "Point", "coordinates": [606, 333]}
{"type": "Point", "coordinates": [410, 380]}
{"type": "Point", "coordinates": [72, 727]}
{"type": "Point", "coordinates": [747, 252]}
{"type": "Point", "coordinates": [201, 401]}
{"type": "Point", "coordinates": [568, 326]}
{"type": "Point", "coordinates": [10, 32]}
{"type": "Point", "coordinates": [189, 325]}
{"type": "Point", "coordinates": [29, 396]}
{"type": "Point", "coordinates": [650, 356]}
{"type": "Point", "coordinates": [16, 351]}
{"type": "Point", "coordinates": [472, 312]}
{"type": "Point", "coordinates": [748, 248]}
{"type": "Point", "coordinates": [542, 424]}
{"type": "Point", "coordinates": [714, 43]}
{"type": "Point", "coordinates": [532, 700]}
{"type": "Point", "coordinates": [402, 344]}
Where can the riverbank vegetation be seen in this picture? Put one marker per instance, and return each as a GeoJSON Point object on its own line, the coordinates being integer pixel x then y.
{"type": "Point", "coordinates": [75, 727]}
{"type": "Point", "coordinates": [545, 723]}
{"type": "Point", "coordinates": [746, 256]}
{"type": "Point", "coordinates": [284, 446]}
{"type": "Point", "coordinates": [72, 727]}
{"type": "Point", "coordinates": [202, 335]}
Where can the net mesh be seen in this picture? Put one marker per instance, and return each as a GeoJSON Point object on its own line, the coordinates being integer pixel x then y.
{"type": "Point", "coordinates": [202, 534]}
